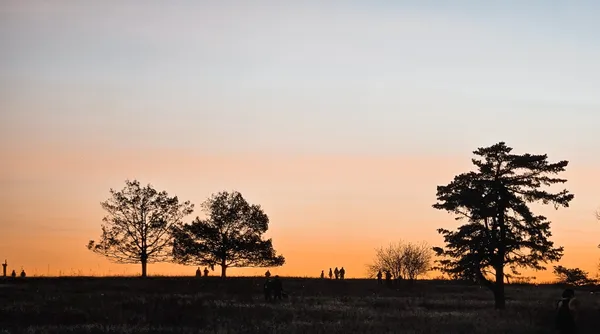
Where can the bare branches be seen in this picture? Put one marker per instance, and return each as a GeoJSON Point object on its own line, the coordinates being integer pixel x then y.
{"type": "Point", "coordinates": [139, 225]}
{"type": "Point", "coordinates": [402, 260]}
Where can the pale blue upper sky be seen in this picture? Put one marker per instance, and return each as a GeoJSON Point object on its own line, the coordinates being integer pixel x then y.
{"type": "Point", "coordinates": [347, 77]}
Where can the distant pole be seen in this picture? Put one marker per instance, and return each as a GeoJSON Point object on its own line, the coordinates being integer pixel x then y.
{"type": "Point", "coordinates": [4, 265]}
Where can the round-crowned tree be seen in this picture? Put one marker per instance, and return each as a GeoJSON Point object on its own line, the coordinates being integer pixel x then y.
{"type": "Point", "coordinates": [231, 235]}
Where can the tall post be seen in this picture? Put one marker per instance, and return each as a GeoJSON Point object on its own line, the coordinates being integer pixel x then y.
{"type": "Point", "coordinates": [4, 265]}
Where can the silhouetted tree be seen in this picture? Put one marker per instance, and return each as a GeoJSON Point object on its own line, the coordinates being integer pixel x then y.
{"type": "Point", "coordinates": [501, 230]}
{"type": "Point", "coordinates": [387, 259]}
{"type": "Point", "coordinates": [402, 260]}
{"type": "Point", "coordinates": [572, 276]}
{"type": "Point", "coordinates": [417, 260]}
{"type": "Point", "coordinates": [139, 225]}
{"type": "Point", "coordinates": [230, 236]}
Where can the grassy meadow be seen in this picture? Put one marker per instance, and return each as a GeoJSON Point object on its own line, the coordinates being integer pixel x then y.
{"type": "Point", "coordinates": [236, 305]}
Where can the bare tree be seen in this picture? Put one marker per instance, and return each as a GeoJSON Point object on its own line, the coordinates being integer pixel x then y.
{"type": "Point", "coordinates": [402, 260]}
{"type": "Point", "coordinates": [139, 225]}
{"type": "Point", "coordinates": [387, 259]}
{"type": "Point", "coordinates": [417, 260]}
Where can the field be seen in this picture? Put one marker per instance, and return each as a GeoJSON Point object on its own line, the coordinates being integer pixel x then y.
{"type": "Point", "coordinates": [236, 305]}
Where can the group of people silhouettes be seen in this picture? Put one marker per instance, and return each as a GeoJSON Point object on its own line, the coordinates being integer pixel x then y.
{"type": "Point", "coordinates": [199, 274]}
{"type": "Point", "coordinates": [14, 274]}
{"type": "Point", "coordinates": [388, 277]}
{"type": "Point", "coordinates": [273, 288]}
{"type": "Point", "coordinates": [338, 273]}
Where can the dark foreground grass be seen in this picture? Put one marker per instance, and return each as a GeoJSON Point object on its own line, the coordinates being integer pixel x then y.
{"type": "Point", "coordinates": [236, 305]}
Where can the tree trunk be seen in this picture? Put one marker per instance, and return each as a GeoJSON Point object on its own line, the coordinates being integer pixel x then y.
{"type": "Point", "coordinates": [499, 300]}
{"type": "Point", "coordinates": [223, 268]}
{"type": "Point", "coordinates": [144, 265]}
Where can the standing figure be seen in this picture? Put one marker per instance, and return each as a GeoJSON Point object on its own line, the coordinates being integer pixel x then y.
{"type": "Point", "coordinates": [267, 289]}
{"type": "Point", "coordinates": [205, 272]}
{"type": "Point", "coordinates": [379, 275]}
{"type": "Point", "coordinates": [565, 313]}
{"type": "Point", "coordinates": [198, 272]}
{"type": "Point", "coordinates": [268, 274]}
{"type": "Point", "coordinates": [13, 274]}
{"type": "Point", "coordinates": [277, 288]}
{"type": "Point", "coordinates": [336, 272]}
{"type": "Point", "coordinates": [23, 275]}
{"type": "Point", "coordinates": [330, 273]}
{"type": "Point", "coordinates": [388, 277]}
{"type": "Point", "coordinates": [342, 273]}
{"type": "Point", "coordinates": [322, 274]}
{"type": "Point", "coordinates": [4, 265]}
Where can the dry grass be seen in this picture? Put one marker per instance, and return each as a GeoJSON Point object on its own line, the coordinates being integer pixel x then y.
{"type": "Point", "coordinates": [190, 305]}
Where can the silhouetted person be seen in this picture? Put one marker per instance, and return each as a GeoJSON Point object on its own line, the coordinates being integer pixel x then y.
{"type": "Point", "coordinates": [267, 289]}
{"type": "Point", "coordinates": [342, 273]}
{"type": "Point", "coordinates": [322, 274]}
{"type": "Point", "coordinates": [388, 277]}
{"type": "Point", "coordinates": [4, 268]}
{"type": "Point", "coordinates": [268, 274]}
{"type": "Point", "coordinates": [336, 272]}
{"type": "Point", "coordinates": [205, 272]}
{"type": "Point", "coordinates": [330, 273]}
{"type": "Point", "coordinates": [23, 275]}
{"type": "Point", "coordinates": [13, 274]}
{"type": "Point", "coordinates": [198, 272]}
{"type": "Point", "coordinates": [277, 287]}
{"type": "Point", "coordinates": [379, 275]}
{"type": "Point", "coordinates": [565, 315]}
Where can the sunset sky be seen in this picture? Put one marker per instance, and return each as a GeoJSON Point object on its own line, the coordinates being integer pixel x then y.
{"type": "Point", "coordinates": [339, 117]}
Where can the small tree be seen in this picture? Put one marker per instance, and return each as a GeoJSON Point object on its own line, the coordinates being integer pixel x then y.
{"type": "Point", "coordinates": [139, 225]}
{"type": "Point", "coordinates": [572, 276]}
{"type": "Point", "coordinates": [230, 236]}
{"type": "Point", "coordinates": [387, 259]}
{"type": "Point", "coordinates": [417, 260]}
{"type": "Point", "coordinates": [402, 260]}
{"type": "Point", "coordinates": [501, 230]}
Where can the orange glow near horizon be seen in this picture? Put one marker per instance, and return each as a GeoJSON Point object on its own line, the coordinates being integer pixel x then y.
{"type": "Point", "coordinates": [338, 118]}
{"type": "Point", "coordinates": [325, 211]}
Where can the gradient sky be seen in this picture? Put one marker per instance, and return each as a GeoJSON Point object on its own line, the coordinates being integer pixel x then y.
{"type": "Point", "coordinates": [338, 117]}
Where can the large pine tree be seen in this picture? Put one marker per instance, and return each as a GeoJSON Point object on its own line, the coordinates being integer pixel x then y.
{"type": "Point", "coordinates": [500, 229]}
